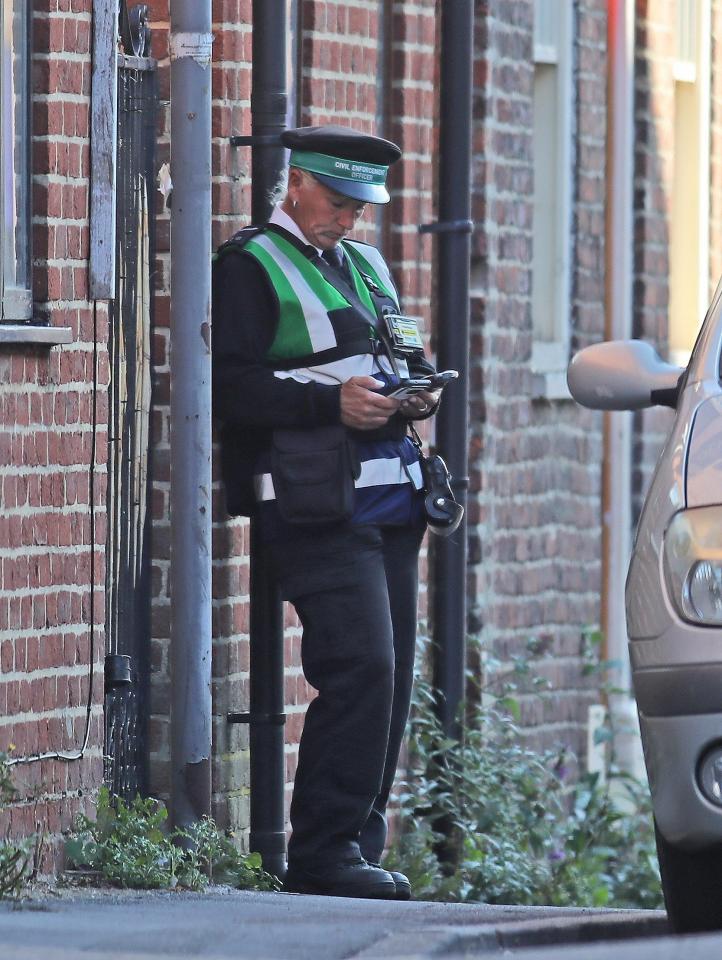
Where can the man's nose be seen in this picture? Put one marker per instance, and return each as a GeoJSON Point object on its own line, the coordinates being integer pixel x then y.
{"type": "Point", "coordinates": [346, 219]}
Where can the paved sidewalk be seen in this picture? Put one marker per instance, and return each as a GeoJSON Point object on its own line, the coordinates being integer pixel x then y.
{"type": "Point", "coordinates": [223, 923]}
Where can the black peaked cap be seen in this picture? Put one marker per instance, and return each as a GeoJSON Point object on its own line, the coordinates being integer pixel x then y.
{"type": "Point", "coordinates": [337, 141]}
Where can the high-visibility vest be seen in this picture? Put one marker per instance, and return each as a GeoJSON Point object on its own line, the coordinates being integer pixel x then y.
{"type": "Point", "coordinates": [320, 335]}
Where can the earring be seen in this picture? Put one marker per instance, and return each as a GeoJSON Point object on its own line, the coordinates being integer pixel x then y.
{"type": "Point", "coordinates": [294, 204]}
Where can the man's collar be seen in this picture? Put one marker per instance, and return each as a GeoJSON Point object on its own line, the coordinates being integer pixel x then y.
{"type": "Point", "coordinates": [281, 219]}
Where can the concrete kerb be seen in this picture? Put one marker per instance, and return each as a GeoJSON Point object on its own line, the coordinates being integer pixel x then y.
{"type": "Point", "coordinates": [505, 935]}
{"type": "Point", "coordinates": [590, 927]}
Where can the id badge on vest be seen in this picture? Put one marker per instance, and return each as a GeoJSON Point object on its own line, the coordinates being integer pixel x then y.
{"type": "Point", "coordinates": [404, 334]}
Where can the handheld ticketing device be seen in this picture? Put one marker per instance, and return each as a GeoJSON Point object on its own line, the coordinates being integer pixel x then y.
{"type": "Point", "coordinates": [439, 380]}
{"type": "Point", "coordinates": [407, 388]}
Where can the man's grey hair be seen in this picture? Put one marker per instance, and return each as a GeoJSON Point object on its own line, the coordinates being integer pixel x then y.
{"type": "Point", "coordinates": [280, 191]}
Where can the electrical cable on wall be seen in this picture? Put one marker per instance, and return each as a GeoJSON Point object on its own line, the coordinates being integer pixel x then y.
{"type": "Point", "coordinates": [54, 754]}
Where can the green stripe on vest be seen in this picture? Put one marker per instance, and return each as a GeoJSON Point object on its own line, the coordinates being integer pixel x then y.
{"type": "Point", "coordinates": [360, 261]}
{"type": "Point", "coordinates": [362, 291]}
{"type": "Point", "coordinates": [292, 337]}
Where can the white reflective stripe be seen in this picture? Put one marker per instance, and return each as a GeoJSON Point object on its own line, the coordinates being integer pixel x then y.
{"type": "Point", "coordinates": [335, 372]}
{"type": "Point", "coordinates": [315, 313]}
{"type": "Point", "coordinates": [385, 472]}
{"type": "Point", "coordinates": [374, 473]}
{"type": "Point", "coordinates": [339, 371]}
{"type": "Point", "coordinates": [263, 483]}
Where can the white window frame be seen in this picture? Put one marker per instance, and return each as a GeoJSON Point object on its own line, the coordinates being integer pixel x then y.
{"type": "Point", "coordinates": [692, 64]}
{"type": "Point", "coordinates": [15, 264]}
{"type": "Point", "coordinates": [550, 356]}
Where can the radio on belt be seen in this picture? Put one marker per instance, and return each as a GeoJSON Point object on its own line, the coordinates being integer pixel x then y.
{"type": "Point", "coordinates": [404, 333]}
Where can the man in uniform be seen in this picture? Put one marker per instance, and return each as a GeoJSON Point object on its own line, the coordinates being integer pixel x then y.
{"type": "Point", "coordinates": [304, 357]}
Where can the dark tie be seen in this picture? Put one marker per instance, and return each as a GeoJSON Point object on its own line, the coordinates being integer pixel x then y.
{"type": "Point", "coordinates": [334, 257]}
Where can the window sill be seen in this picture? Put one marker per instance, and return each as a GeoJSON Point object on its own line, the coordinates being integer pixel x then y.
{"type": "Point", "coordinates": [550, 385]}
{"type": "Point", "coordinates": [28, 333]}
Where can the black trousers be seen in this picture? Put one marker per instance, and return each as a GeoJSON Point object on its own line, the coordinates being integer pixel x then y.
{"type": "Point", "coordinates": [355, 591]}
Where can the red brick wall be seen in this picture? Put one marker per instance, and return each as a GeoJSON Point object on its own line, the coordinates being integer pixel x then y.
{"type": "Point", "coordinates": [534, 513]}
{"type": "Point", "coordinates": [412, 43]}
{"type": "Point", "coordinates": [158, 729]}
{"type": "Point", "coordinates": [231, 209]}
{"type": "Point", "coordinates": [46, 444]}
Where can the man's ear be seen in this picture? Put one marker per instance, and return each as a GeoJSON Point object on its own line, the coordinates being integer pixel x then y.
{"type": "Point", "coordinates": [295, 182]}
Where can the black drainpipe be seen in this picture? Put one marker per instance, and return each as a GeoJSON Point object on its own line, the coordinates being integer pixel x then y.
{"type": "Point", "coordinates": [452, 422]}
{"type": "Point", "coordinates": [267, 701]}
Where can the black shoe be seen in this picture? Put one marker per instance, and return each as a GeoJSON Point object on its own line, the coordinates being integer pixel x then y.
{"type": "Point", "coordinates": [401, 882]}
{"type": "Point", "coordinates": [346, 878]}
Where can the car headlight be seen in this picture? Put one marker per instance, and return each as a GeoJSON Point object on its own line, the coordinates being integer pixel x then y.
{"type": "Point", "coordinates": [693, 564]}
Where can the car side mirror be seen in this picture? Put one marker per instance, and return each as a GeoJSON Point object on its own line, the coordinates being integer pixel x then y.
{"type": "Point", "coordinates": [623, 375]}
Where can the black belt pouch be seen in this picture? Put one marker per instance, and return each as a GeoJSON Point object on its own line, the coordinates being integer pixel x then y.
{"type": "Point", "coordinates": [313, 474]}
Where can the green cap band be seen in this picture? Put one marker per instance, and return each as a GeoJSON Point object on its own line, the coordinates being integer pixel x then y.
{"type": "Point", "coordinates": [328, 166]}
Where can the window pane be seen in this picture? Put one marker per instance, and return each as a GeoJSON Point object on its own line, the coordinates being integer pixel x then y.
{"type": "Point", "coordinates": [546, 31]}
{"type": "Point", "coordinates": [686, 31]}
{"type": "Point", "coordinates": [15, 151]}
{"type": "Point", "coordinates": [546, 240]}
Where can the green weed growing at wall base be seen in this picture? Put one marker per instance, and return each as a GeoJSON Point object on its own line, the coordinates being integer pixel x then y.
{"type": "Point", "coordinates": [522, 831]}
{"type": "Point", "coordinates": [129, 846]}
{"type": "Point", "coordinates": [16, 856]}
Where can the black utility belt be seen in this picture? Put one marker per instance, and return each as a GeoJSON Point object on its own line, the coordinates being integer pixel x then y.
{"type": "Point", "coordinates": [314, 473]}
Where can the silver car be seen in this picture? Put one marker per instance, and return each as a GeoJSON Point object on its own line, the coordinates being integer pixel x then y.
{"type": "Point", "coordinates": [674, 605]}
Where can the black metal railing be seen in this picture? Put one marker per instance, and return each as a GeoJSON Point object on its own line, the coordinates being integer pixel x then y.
{"type": "Point", "coordinates": [128, 539]}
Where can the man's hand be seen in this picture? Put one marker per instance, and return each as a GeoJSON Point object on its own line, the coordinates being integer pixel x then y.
{"type": "Point", "coordinates": [362, 407]}
{"type": "Point", "coordinates": [420, 404]}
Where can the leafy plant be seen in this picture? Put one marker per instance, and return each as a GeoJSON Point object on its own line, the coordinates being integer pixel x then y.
{"type": "Point", "coordinates": [523, 831]}
{"type": "Point", "coordinates": [16, 856]}
{"type": "Point", "coordinates": [131, 847]}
